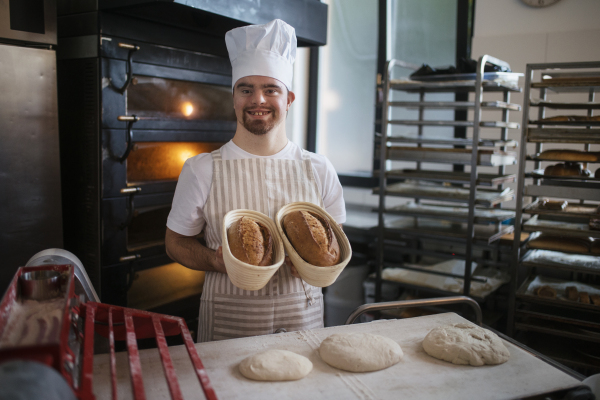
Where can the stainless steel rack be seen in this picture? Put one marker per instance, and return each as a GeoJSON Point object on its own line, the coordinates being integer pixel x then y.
{"type": "Point", "coordinates": [459, 207]}
{"type": "Point", "coordinates": [536, 318]}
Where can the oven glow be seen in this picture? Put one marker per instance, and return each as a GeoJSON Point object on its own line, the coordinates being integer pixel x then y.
{"type": "Point", "coordinates": [184, 155]}
{"type": "Point", "coordinates": [187, 108]}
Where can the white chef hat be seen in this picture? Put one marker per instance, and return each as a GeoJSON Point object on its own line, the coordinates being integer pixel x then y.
{"type": "Point", "coordinates": [266, 50]}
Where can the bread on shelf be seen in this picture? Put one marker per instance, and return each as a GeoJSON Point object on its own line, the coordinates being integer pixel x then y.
{"type": "Point", "coordinates": [561, 243]}
{"type": "Point", "coordinates": [568, 155]}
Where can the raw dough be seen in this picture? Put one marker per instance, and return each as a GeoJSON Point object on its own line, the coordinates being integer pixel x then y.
{"type": "Point", "coordinates": [465, 344]}
{"type": "Point", "coordinates": [276, 365]}
{"type": "Point", "coordinates": [360, 352]}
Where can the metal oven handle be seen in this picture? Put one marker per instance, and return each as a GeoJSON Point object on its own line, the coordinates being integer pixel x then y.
{"type": "Point", "coordinates": [129, 66]}
{"type": "Point", "coordinates": [130, 192]}
{"type": "Point", "coordinates": [416, 303]}
{"type": "Point", "coordinates": [131, 119]}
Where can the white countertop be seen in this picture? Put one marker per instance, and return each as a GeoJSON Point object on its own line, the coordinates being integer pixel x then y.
{"type": "Point", "coordinates": [416, 376]}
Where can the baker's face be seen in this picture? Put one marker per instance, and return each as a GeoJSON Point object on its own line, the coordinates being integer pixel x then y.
{"type": "Point", "coordinates": [261, 103]}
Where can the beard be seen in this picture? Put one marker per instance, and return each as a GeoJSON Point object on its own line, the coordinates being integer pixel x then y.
{"type": "Point", "coordinates": [258, 127]}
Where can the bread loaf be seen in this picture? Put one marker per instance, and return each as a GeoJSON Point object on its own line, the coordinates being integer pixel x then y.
{"type": "Point", "coordinates": [566, 169]}
{"type": "Point", "coordinates": [595, 299]}
{"type": "Point", "coordinates": [584, 297]}
{"type": "Point", "coordinates": [250, 242]}
{"type": "Point", "coordinates": [545, 291]}
{"type": "Point", "coordinates": [312, 237]}
{"type": "Point", "coordinates": [568, 155]}
{"type": "Point", "coordinates": [572, 293]}
{"type": "Point", "coordinates": [560, 243]}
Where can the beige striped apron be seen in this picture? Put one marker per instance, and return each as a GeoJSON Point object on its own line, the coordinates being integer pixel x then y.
{"type": "Point", "coordinates": [286, 303]}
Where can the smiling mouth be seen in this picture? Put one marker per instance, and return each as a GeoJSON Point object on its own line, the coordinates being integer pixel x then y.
{"type": "Point", "coordinates": [259, 113]}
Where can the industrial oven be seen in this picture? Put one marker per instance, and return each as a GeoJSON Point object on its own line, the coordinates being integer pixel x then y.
{"type": "Point", "coordinates": [142, 87]}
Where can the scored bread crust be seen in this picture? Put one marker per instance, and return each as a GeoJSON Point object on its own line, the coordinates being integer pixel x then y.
{"type": "Point", "coordinates": [250, 242]}
{"type": "Point", "coordinates": [312, 238]}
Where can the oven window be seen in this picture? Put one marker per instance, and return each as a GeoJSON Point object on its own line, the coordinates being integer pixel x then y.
{"type": "Point", "coordinates": [147, 227]}
{"type": "Point", "coordinates": [170, 98]}
{"type": "Point", "coordinates": [162, 161]}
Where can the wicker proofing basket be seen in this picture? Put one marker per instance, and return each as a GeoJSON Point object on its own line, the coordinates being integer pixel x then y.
{"type": "Point", "coordinates": [316, 276]}
{"type": "Point", "coordinates": [247, 276]}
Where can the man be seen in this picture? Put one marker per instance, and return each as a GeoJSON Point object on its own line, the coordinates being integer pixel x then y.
{"type": "Point", "coordinates": [258, 169]}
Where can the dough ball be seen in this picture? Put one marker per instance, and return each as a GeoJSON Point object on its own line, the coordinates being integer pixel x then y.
{"type": "Point", "coordinates": [465, 344]}
{"type": "Point", "coordinates": [360, 352]}
{"type": "Point", "coordinates": [275, 365]}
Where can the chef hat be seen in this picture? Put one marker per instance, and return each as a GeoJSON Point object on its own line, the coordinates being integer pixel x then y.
{"type": "Point", "coordinates": [266, 50]}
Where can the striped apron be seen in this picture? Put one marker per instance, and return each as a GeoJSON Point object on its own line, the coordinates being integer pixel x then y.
{"type": "Point", "coordinates": [286, 303]}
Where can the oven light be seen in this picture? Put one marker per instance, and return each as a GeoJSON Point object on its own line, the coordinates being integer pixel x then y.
{"type": "Point", "coordinates": [187, 108]}
{"type": "Point", "coordinates": [184, 155]}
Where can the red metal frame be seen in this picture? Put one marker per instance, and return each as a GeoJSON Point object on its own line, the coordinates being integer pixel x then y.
{"type": "Point", "coordinates": [56, 353]}
{"type": "Point", "coordinates": [138, 324]}
{"type": "Point", "coordinates": [112, 322]}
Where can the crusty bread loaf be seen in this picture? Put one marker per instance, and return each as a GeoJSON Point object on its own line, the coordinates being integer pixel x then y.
{"type": "Point", "coordinates": [250, 242]}
{"type": "Point", "coordinates": [566, 169]}
{"type": "Point", "coordinates": [584, 297]}
{"type": "Point", "coordinates": [560, 243]}
{"type": "Point", "coordinates": [568, 155]}
{"type": "Point", "coordinates": [595, 299]}
{"type": "Point", "coordinates": [572, 293]}
{"type": "Point", "coordinates": [312, 237]}
{"type": "Point", "coordinates": [545, 291]}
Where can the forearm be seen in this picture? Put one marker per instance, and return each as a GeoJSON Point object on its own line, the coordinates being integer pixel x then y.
{"type": "Point", "coordinates": [188, 252]}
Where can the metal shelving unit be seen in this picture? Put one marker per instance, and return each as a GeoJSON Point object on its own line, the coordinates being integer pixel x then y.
{"type": "Point", "coordinates": [572, 323]}
{"type": "Point", "coordinates": [459, 207]}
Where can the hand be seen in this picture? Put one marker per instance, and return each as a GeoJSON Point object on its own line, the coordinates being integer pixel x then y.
{"type": "Point", "coordinates": [218, 262]}
{"type": "Point", "coordinates": [292, 268]}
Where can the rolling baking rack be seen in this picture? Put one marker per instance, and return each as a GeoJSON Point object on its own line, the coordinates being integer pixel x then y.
{"type": "Point", "coordinates": [545, 321]}
{"type": "Point", "coordinates": [458, 208]}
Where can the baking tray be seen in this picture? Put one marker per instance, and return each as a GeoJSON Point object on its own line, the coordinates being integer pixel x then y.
{"type": "Point", "coordinates": [499, 105]}
{"type": "Point", "coordinates": [447, 193]}
{"type": "Point", "coordinates": [453, 156]}
{"type": "Point", "coordinates": [572, 210]}
{"type": "Point", "coordinates": [451, 177]}
{"type": "Point", "coordinates": [487, 216]}
{"type": "Point", "coordinates": [451, 86]}
{"type": "Point", "coordinates": [466, 124]}
{"type": "Point", "coordinates": [565, 106]}
{"type": "Point", "coordinates": [554, 327]}
{"type": "Point", "coordinates": [416, 376]}
{"type": "Point", "coordinates": [440, 229]}
{"type": "Point", "coordinates": [539, 174]}
{"type": "Point", "coordinates": [567, 87]}
{"type": "Point", "coordinates": [587, 264]}
{"type": "Point", "coordinates": [538, 157]}
{"type": "Point", "coordinates": [563, 135]}
{"type": "Point", "coordinates": [563, 191]}
{"type": "Point", "coordinates": [565, 123]}
{"type": "Point", "coordinates": [511, 78]}
{"type": "Point", "coordinates": [559, 228]}
{"type": "Point", "coordinates": [525, 293]}
{"type": "Point", "coordinates": [453, 141]}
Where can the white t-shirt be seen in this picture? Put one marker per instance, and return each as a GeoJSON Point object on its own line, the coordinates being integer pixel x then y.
{"type": "Point", "coordinates": [187, 213]}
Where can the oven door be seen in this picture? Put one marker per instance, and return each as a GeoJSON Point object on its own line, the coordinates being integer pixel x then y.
{"type": "Point", "coordinates": [166, 114]}
{"type": "Point", "coordinates": [133, 227]}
